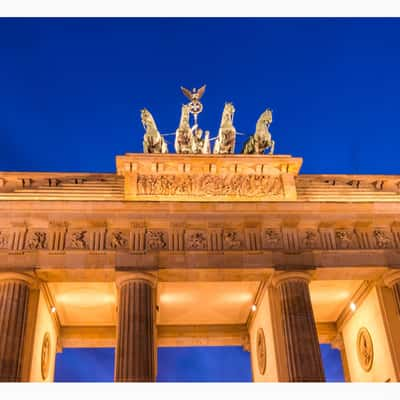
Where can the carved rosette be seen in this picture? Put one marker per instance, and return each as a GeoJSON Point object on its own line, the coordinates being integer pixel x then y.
{"type": "Point", "coordinates": [261, 351]}
{"type": "Point", "coordinates": [45, 356]}
{"type": "Point", "coordinates": [365, 349]}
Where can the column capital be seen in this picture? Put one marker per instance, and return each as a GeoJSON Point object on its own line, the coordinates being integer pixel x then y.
{"type": "Point", "coordinates": [337, 342]}
{"type": "Point", "coordinates": [391, 277]}
{"type": "Point", "coordinates": [30, 280]}
{"type": "Point", "coordinates": [282, 276]}
{"type": "Point", "coordinates": [122, 278]}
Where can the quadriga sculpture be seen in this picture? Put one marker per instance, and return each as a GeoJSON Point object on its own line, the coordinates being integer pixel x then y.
{"type": "Point", "coordinates": [261, 140]}
{"type": "Point", "coordinates": [225, 142]}
{"type": "Point", "coordinates": [184, 135]}
{"type": "Point", "coordinates": [153, 142]}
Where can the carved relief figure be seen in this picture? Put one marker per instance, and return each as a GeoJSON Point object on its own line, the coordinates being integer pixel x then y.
{"type": "Point", "coordinates": [232, 240]}
{"type": "Point", "coordinates": [210, 185]}
{"type": "Point", "coordinates": [196, 241]}
{"type": "Point", "coordinates": [155, 240]}
{"type": "Point", "coordinates": [344, 239]}
{"type": "Point", "coordinates": [310, 239]}
{"type": "Point", "coordinates": [184, 134]}
{"type": "Point", "coordinates": [273, 238]}
{"type": "Point", "coordinates": [118, 240]}
{"type": "Point", "coordinates": [382, 240]}
{"type": "Point", "coordinates": [79, 240]}
{"type": "Point", "coordinates": [153, 142]}
{"type": "Point", "coordinates": [3, 240]}
{"type": "Point", "coordinates": [225, 142]}
{"type": "Point", "coordinates": [261, 140]}
{"type": "Point", "coordinates": [38, 241]}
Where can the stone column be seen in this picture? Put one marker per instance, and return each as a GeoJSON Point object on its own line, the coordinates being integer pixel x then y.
{"type": "Point", "coordinates": [300, 335]}
{"type": "Point", "coordinates": [14, 296]}
{"type": "Point", "coordinates": [135, 353]}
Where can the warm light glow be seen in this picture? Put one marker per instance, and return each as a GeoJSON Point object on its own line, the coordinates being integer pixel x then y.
{"type": "Point", "coordinates": [175, 298]}
{"type": "Point", "coordinates": [253, 307]}
{"type": "Point", "coordinates": [53, 309]}
{"type": "Point", "coordinates": [353, 306]}
{"type": "Point", "coordinates": [85, 298]}
{"type": "Point", "coordinates": [236, 297]}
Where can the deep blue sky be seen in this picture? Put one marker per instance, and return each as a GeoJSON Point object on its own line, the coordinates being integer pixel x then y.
{"type": "Point", "coordinates": [71, 89]}
{"type": "Point", "coordinates": [181, 364]}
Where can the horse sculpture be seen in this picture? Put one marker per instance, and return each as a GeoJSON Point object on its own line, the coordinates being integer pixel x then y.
{"type": "Point", "coordinates": [184, 135]}
{"type": "Point", "coordinates": [225, 142]}
{"type": "Point", "coordinates": [153, 142]}
{"type": "Point", "coordinates": [261, 140]}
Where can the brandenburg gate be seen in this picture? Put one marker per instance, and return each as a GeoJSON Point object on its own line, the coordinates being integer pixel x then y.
{"type": "Point", "coordinates": [201, 249]}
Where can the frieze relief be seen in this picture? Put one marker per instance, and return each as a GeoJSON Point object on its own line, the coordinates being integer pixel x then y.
{"type": "Point", "coordinates": [79, 240]}
{"type": "Point", "coordinates": [156, 240]}
{"type": "Point", "coordinates": [382, 239]}
{"type": "Point", "coordinates": [37, 240]}
{"type": "Point", "coordinates": [118, 240]}
{"type": "Point", "coordinates": [272, 238]}
{"type": "Point", "coordinates": [344, 238]}
{"type": "Point", "coordinates": [196, 240]}
{"type": "Point", "coordinates": [231, 239]}
{"type": "Point", "coordinates": [310, 239]}
{"type": "Point", "coordinates": [4, 237]}
{"type": "Point", "coordinates": [210, 185]}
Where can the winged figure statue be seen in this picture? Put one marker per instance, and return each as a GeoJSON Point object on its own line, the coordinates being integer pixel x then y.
{"type": "Point", "coordinates": [194, 95]}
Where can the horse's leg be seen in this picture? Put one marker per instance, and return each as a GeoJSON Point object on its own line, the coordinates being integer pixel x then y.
{"type": "Point", "coordinates": [272, 147]}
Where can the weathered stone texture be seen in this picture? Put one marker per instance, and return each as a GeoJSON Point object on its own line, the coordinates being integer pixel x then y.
{"type": "Point", "coordinates": [14, 297]}
{"type": "Point", "coordinates": [135, 352]}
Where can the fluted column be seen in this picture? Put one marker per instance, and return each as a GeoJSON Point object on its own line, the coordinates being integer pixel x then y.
{"type": "Point", "coordinates": [135, 352]}
{"type": "Point", "coordinates": [392, 280]}
{"type": "Point", "coordinates": [14, 296]}
{"type": "Point", "coordinates": [300, 336]}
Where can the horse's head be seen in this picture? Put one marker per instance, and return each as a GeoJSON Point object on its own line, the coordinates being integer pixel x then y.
{"type": "Point", "coordinates": [185, 115]}
{"type": "Point", "coordinates": [227, 115]}
{"type": "Point", "coordinates": [266, 117]}
{"type": "Point", "coordinates": [147, 118]}
{"type": "Point", "coordinates": [229, 109]}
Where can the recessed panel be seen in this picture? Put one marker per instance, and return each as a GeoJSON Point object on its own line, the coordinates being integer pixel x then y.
{"type": "Point", "coordinates": [85, 303]}
{"type": "Point", "coordinates": [191, 303]}
{"type": "Point", "coordinates": [330, 297]}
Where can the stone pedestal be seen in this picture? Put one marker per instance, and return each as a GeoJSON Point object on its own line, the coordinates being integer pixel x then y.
{"type": "Point", "coordinates": [14, 296]}
{"type": "Point", "coordinates": [299, 329]}
{"type": "Point", "coordinates": [135, 352]}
